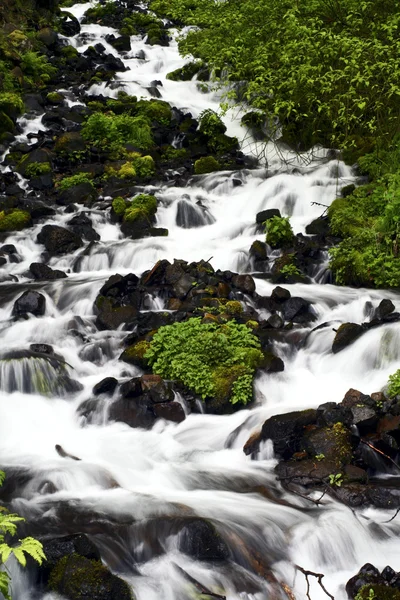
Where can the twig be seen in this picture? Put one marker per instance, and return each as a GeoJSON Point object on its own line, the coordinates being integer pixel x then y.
{"type": "Point", "coordinates": [394, 516]}
{"type": "Point", "coordinates": [319, 204]}
{"type": "Point", "coordinates": [380, 452]}
{"type": "Point", "coordinates": [288, 591]}
{"type": "Point", "coordinates": [319, 576]}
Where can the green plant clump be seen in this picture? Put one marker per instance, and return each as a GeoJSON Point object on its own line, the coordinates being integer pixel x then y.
{"type": "Point", "coordinates": [77, 179]}
{"type": "Point", "coordinates": [28, 545]}
{"type": "Point", "coordinates": [213, 360]}
{"type": "Point", "coordinates": [206, 164]}
{"type": "Point", "coordinates": [111, 133]}
{"type": "Point", "coordinates": [36, 169]}
{"type": "Point", "coordinates": [393, 389]}
{"type": "Point", "coordinates": [119, 205]}
{"type": "Point", "coordinates": [279, 232]}
{"type": "Point", "coordinates": [14, 220]}
{"type": "Point", "coordinates": [142, 205]}
{"type": "Point", "coordinates": [377, 591]}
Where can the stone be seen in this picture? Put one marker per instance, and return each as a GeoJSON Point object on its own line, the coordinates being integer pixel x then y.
{"type": "Point", "coordinates": [41, 271]}
{"type": "Point", "coordinates": [58, 240]}
{"type": "Point", "coordinates": [346, 335]}
{"type": "Point", "coordinates": [367, 574]}
{"type": "Point", "coordinates": [200, 540]}
{"type": "Point", "coordinates": [365, 418]}
{"type": "Point", "coordinates": [280, 294]}
{"type": "Point", "coordinates": [297, 310]}
{"type": "Point", "coordinates": [264, 215]}
{"type": "Point", "coordinates": [30, 302]}
{"type": "Point", "coordinates": [106, 386]}
{"type": "Point", "coordinates": [171, 411]}
{"type": "Point", "coordinates": [385, 308]}
{"type": "Point", "coordinates": [245, 283]}
{"type": "Point", "coordinates": [82, 193]}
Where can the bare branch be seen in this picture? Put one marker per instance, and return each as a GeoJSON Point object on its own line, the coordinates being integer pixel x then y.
{"type": "Point", "coordinates": [319, 577]}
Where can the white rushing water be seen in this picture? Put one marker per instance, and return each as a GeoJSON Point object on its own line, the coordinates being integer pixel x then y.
{"type": "Point", "coordinates": [196, 467]}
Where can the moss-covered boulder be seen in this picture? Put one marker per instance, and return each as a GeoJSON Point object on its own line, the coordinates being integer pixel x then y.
{"type": "Point", "coordinates": [14, 220]}
{"type": "Point", "coordinates": [206, 164]}
{"type": "Point", "coordinates": [135, 354]}
{"type": "Point", "coordinates": [79, 578]}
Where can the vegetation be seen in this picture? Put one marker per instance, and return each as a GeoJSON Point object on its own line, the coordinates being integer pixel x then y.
{"type": "Point", "coordinates": [206, 164]}
{"type": "Point", "coordinates": [14, 220]}
{"type": "Point", "coordinates": [28, 545]}
{"type": "Point", "coordinates": [368, 220]}
{"type": "Point", "coordinates": [76, 179]}
{"type": "Point", "coordinates": [393, 389]}
{"type": "Point", "coordinates": [36, 169]}
{"type": "Point", "coordinates": [324, 71]}
{"type": "Point", "coordinates": [213, 360]}
{"type": "Point", "coordinates": [112, 133]}
{"type": "Point", "coordinates": [279, 232]}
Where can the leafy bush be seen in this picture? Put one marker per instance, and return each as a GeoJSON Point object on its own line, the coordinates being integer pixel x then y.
{"type": "Point", "coordinates": [111, 133]}
{"type": "Point", "coordinates": [76, 179]}
{"type": "Point", "coordinates": [119, 205]}
{"type": "Point", "coordinates": [207, 164]}
{"type": "Point", "coordinates": [35, 66]}
{"type": "Point", "coordinates": [144, 166]}
{"type": "Point", "coordinates": [28, 545]}
{"type": "Point", "coordinates": [210, 123]}
{"type": "Point", "coordinates": [394, 384]}
{"type": "Point", "coordinates": [211, 359]}
{"type": "Point", "coordinates": [279, 232]}
{"type": "Point", "coordinates": [127, 171]}
{"type": "Point", "coordinates": [11, 104]}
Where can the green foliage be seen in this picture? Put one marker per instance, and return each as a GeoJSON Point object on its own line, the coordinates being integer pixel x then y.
{"type": "Point", "coordinates": [290, 270]}
{"type": "Point", "coordinates": [210, 123]}
{"type": "Point", "coordinates": [212, 359]}
{"type": "Point", "coordinates": [69, 52]}
{"type": "Point", "coordinates": [11, 104]}
{"type": "Point", "coordinates": [76, 179]}
{"type": "Point", "coordinates": [336, 479]}
{"type": "Point", "coordinates": [36, 169]}
{"type": "Point", "coordinates": [187, 72]}
{"type": "Point", "coordinates": [155, 110]}
{"type": "Point", "coordinates": [55, 98]}
{"type": "Point", "coordinates": [206, 164]}
{"type": "Point", "coordinates": [279, 232]}
{"type": "Point", "coordinates": [36, 67]}
{"type": "Point", "coordinates": [377, 591]}
{"type": "Point", "coordinates": [394, 384]}
{"type": "Point", "coordinates": [14, 220]}
{"type": "Point", "coordinates": [127, 171]}
{"type": "Point", "coordinates": [8, 527]}
{"type": "Point", "coordinates": [320, 457]}
{"type": "Point", "coordinates": [111, 133]}
{"type": "Point", "coordinates": [327, 71]}
{"type": "Point", "coordinates": [144, 166]}
{"type": "Point", "coordinates": [170, 153]}
{"type": "Point", "coordinates": [144, 202]}
{"type": "Point", "coordinates": [119, 205]}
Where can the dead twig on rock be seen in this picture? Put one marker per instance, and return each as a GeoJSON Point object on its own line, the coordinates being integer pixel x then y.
{"type": "Point", "coordinates": [319, 577]}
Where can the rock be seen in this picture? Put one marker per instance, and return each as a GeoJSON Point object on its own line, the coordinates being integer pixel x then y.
{"type": "Point", "coordinates": [364, 418]}
{"type": "Point", "coordinates": [29, 303]}
{"type": "Point", "coordinates": [319, 226]}
{"type": "Point", "coordinates": [43, 349]}
{"type": "Point", "coordinates": [245, 283]}
{"type": "Point", "coordinates": [83, 193]}
{"type": "Point", "coordinates": [78, 578]}
{"type": "Point", "coordinates": [105, 386]}
{"type": "Point", "coordinates": [366, 575]}
{"type": "Point", "coordinates": [171, 411]}
{"type": "Point", "coordinates": [297, 310]}
{"type": "Point", "coordinates": [309, 473]}
{"type": "Point", "coordinates": [41, 271]}
{"type": "Point", "coordinates": [285, 431]}
{"type": "Point", "coordinates": [346, 335]}
{"type": "Point", "coordinates": [81, 224]}
{"type": "Point", "coordinates": [58, 240]}
{"type": "Point", "coordinates": [135, 412]}
{"type": "Point", "coordinates": [200, 540]}
{"type": "Point", "coordinates": [122, 43]}
{"type": "Point", "coordinates": [330, 413]}
{"type": "Point", "coordinates": [258, 250]}
{"type": "Point", "coordinates": [384, 309]}
{"type": "Point", "coordinates": [111, 316]}
{"type": "Point", "coordinates": [131, 388]}
{"type": "Point", "coordinates": [57, 548]}
{"type": "Point", "coordinates": [272, 363]}
{"type": "Point", "coordinates": [264, 215]}
{"type": "Point", "coordinates": [156, 388]}
{"type": "Point", "coordinates": [69, 24]}
{"type": "Point", "coordinates": [280, 294]}
{"type": "Point", "coordinates": [48, 37]}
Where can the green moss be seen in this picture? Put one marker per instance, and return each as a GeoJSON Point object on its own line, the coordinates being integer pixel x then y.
{"type": "Point", "coordinates": [379, 592]}
{"type": "Point", "coordinates": [187, 72]}
{"type": "Point", "coordinates": [36, 169]}
{"type": "Point", "coordinates": [279, 232]}
{"type": "Point", "coordinates": [233, 307]}
{"type": "Point", "coordinates": [144, 166]}
{"type": "Point", "coordinates": [135, 354]}
{"type": "Point", "coordinates": [207, 164]}
{"type": "Point", "coordinates": [127, 171]}
{"type": "Point", "coordinates": [119, 205]}
{"type": "Point", "coordinates": [14, 220]}
{"type": "Point", "coordinates": [6, 124]}
{"type": "Point", "coordinates": [146, 203]}
{"type": "Point", "coordinates": [76, 179]}
{"type": "Point", "coordinates": [134, 214]}
{"type": "Point", "coordinates": [55, 98]}
{"type": "Point", "coordinates": [11, 104]}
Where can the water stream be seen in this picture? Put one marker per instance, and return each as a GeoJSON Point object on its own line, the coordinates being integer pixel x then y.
{"type": "Point", "coordinates": [139, 481]}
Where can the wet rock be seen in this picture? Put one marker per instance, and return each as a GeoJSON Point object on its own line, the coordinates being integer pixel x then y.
{"type": "Point", "coordinates": [30, 302]}
{"type": "Point", "coordinates": [69, 24]}
{"type": "Point", "coordinates": [368, 574]}
{"type": "Point", "coordinates": [365, 418]}
{"type": "Point", "coordinates": [297, 310]}
{"type": "Point", "coordinates": [272, 363]}
{"type": "Point", "coordinates": [43, 349]}
{"type": "Point", "coordinates": [330, 413]}
{"type": "Point", "coordinates": [346, 335]}
{"type": "Point", "coordinates": [309, 473]}
{"type": "Point", "coordinates": [121, 43]}
{"type": "Point", "coordinates": [83, 193]}
{"type": "Point", "coordinates": [57, 548]}
{"type": "Point", "coordinates": [285, 431]}
{"type": "Point", "coordinates": [48, 37]}
{"type": "Point", "coordinates": [264, 215]}
{"type": "Point", "coordinates": [81, 224]}
{"type": "Point", "coordinates": [171, 411]}
{"type": "Point", "coordinates": [275, 321]}
{"type": "Point", "coordinates": [41, 271]}
{"type": "Point", "coordinates": [319, 227]}
{"type": "Point", "coordinates": [385, 308]}
{"type": "Point", "coordinates": [58, 240]}
{"type": "Point", "coordinates": [245, 283]}
{"type": "Point", "coordinates": [280, 294]}
{"type": "Point", "coordinates": [200, 540]}
{"type": "Point", "coordinates": [78, 578]}
{"type": "Point", "coordinates": [105, 386]}
{"type": "Point", "coordinates": [131, 388]}
{"type": "Point", "coordinates": [258, 250]}
{"type": "Point", "coordinates": [135, 412]}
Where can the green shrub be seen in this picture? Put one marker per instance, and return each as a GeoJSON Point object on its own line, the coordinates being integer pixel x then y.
{"type": "Point", "coordinates": [11, 104]}
{"type": "Point", "coordinates": [211, 359]}
{"type": "Point", "coordinates": [279, 232]}
{"type": "Point", "coordinates": [145, 202]}
{"type": "Point", "coordinates": [111, 133]}
{"type": "Point", "coordinates": [210, 123]}
{"type": "Point", "coordinates": [206, 164]}
{"type": "Point", "coordinates": [127, 171]}
{"type": "Point", "coordinates": [394, 384]}
{"type": "Point", "coordinates": [76, 179]}
{"type": "Point", "coordinates": [144, 166]}
{"type": "Point", "coordinates": [35, 66]}
{"type": "Point", "coordinates": [14, 220]}
{"type": "Point", "coordinates": [119, 205]}
{"type": "Point", "coordinates": [155, 110]}
{"type": "Point", "coordinates": [36, 169]}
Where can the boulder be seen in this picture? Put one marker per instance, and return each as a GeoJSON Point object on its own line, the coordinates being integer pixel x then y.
{"type": "Point", "coordinates": [170, 411]}
{"type": "Point", "coordinates": [280, 294]}
{"type": "Point", "coordinates": [41, 271]}
{"type": "Point", "coordinates": [264, 215]}
{"type": "Point", "coordinates": [200, 540]}
{"type": "Point", "coordinates": [79, 578]}
{"type": "Point", "coordinates": [57, 548]}
{"type": "Point", "coordinates": [385, 308]}
{"type": "Point", "coordinates": [346, 335]}
{"type": "Point", "coordinates": [58, 240]}
{"type": "Point", "coordinates": [81, 224]}
{"type": "Point", "coordinates": [297, 310]}
{"type": "Point", "coordinates": [30, 302]}
{"type": "Point", "coordinates": [105, 386]}
{"type": "Point", "coordinates": [245, 283]}
{"type": "Point", "coordinates": [83, 193]}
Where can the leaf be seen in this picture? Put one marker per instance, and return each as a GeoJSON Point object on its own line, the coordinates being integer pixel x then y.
{"type": "Point", "coordinates": [4, 585]}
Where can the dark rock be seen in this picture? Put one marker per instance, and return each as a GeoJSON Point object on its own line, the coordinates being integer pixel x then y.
{"type": "Point", "coordinates": [105, 386]}
{"type": "Point", "coordinates": [156, 388]}
{"type": "Point", "coordinates": [308, 473]}
{"type": "Point", "coordinates": [280, 294]}
{"type": "Point", "coordinates": [258, 250]}
{"type": "Point", "coordinates": [264, 215]}
{"type": "Point", "coordinates": [275, 321]}
{"type": "Point", "coordinates": [368, 574]}
{"type": "Point", "coordinates": [330, 413]}
{"type": "Point", "coordinates": [171, 411]}
{"type": "Point", "coordinates": [57, 548]}
{"type": "Point", "coordinates": [319, 226]}
{"type": "Point", "coordinates": [364, 418]}
{"type": "Point", "coordinates": [201, 541]}
{"type": "Point", "coordinates": [285, 431]}
{"type": "Point", "coordinates": [58, 240]}
{"type": "Point", "coordinates": [131, 388]}
{"type": "Point", "coordinates": [245, 283]}
{"type": "Point", "coordinates": [384, 309]}
{"type": "Point", "coordinates": [48, 37]}
{"type": "Point", "coordinates": [297, 310]}
{"type": "Point", "coordinates": [29, 303]}
{"type": "Point", "coordinates": [42, 348]}
{"type": "Point", "coordinates": [42, 271]}
{"type": "Point", "coordinates": [346, 335]}
{"type": "Point", "coordinates": [69, 24]}
{"type": "Point", "coordinates": [122, 43]}
{"type": "Point", "coordinates": [111, 316]}
{"type": "Point", "coordinates": [78, 578]}
{"type": "Point", "coordinates": [81, 224]}
{"type": "Point", "coordinates": [135, 412]}
{"type": "Point", "coordinates": [83, 193]}
{"type": "Point", "coordinates": [272, 363]}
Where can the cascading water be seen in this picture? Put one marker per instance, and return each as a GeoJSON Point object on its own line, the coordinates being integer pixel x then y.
{"type": "Point", "coordinates": [137, 482]}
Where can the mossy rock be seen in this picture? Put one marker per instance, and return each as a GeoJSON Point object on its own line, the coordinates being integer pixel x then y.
{"type": "Point", "coordinates": [119, 206]}
{"type": "Point", "coordinates": [69, 52]}
{"type": "Point", "coordinates": [135, 354]}
{"type": "Point", "coordinates": [11, 104]}
{"type": "Point", "coordinates": [207, 164]}
{"type": "Point", "coordinates": [55, 98]}
{"type": "Point", "coordinates": [79, 578]}
{"type": "Point", "coordinates": [6, 124]}
{"type": "Point", "coordinates": [41, 155]}
{"type": "Point", "coordinates": [14, 220]}
{"type": "Point", "coordinates": [156, 110]}
{"type": "Point", "coordinates": [380, 592]}
{"type": "Point", "coordinates": [187, 72]}
{"type": "Point", "coordinates": [70, 142]}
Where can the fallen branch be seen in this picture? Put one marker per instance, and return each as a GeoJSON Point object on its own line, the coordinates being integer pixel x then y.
{"type": "Point", "coordinates": [394, 516]}
{"type": "Point", "coordinates": [380, 452]}
{"type": "Point", "coordinates": [319, 576]}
